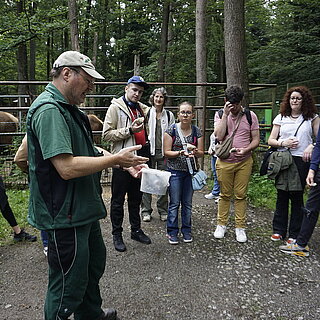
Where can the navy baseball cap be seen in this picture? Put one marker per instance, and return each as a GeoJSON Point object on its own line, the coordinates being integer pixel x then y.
{"type": "Point", "coordinates": [139, 81]}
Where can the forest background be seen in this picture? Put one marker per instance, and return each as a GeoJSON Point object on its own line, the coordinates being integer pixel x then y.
{"type": "Point", "coordinates": [281, 38]}
{"type": "Point", "coordinates": [161, 41]}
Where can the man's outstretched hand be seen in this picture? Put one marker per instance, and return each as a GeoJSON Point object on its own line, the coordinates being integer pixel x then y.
{"type": "Point", "coordinates": [127, 158]}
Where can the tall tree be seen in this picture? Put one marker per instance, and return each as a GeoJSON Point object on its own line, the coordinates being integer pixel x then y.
{"type": "Point", "coordinates": [87, 30]}
{"type": "Point", "coordinates": [201, 50]}
{"type": "Point", "coordinates": [22, 58]}
{"type": "Point", "coordinates": [32, 55]}
{"type": "Point", "coordinates": [201, 58]}
{"type": "Point", "coordinates": [164, 39]}
{"type": "Point", "coordinates": [73, 18]}
{"type": "Point", "coordinates": [235, 46]}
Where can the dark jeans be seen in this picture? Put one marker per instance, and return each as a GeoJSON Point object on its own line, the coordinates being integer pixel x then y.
{"type": "Point", "coordinates": [310, 213]}
{"type": "Point", "coordinates": [281, 214]}
{"type": "Point", "coordinates": [123, 183]}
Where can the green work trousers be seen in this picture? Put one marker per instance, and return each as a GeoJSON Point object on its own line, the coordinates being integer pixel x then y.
{"type": "Point", "coordinates": [77, 258]}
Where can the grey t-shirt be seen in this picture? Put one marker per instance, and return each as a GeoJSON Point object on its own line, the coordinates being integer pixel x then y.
{"type": "Point", "coordinates": [158, 135]}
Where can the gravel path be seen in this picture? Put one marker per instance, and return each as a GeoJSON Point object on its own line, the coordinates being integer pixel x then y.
{"type": "Point", "coordinates": [206, 279]}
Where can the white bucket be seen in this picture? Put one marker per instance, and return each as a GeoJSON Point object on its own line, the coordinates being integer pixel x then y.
{"type": "Point", "coordinates": [154, 181]}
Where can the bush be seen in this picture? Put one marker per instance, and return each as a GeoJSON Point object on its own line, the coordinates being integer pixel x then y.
{"type": "Point", "coordinates": [262, 192]}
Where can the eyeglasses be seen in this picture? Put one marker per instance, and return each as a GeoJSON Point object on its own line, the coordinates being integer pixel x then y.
{"type": "Point", "coordinates": [89, 82]}
{"type": "Point", "coordinates": [296, 98]}
{"type": "Point", "coordinates": [185, 113]}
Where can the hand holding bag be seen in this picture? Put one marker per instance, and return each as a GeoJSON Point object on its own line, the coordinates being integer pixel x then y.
{"type": "Point", "coordinates": [223, 148]}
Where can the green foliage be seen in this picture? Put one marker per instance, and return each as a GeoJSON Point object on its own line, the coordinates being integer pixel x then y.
{"type": "Point", "coordinates": [282, 38]}
{"type": "Point", "coordinates": [290, 51]}
{"type": "Point", "coordinates": [262, 192]}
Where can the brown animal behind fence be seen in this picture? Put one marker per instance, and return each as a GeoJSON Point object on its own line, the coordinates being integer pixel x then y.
{"type": "Point", "coordinates": [8, 123]}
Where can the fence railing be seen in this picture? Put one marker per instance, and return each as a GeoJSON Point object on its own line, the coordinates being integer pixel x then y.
{"type": "Point", "coordinates": [262, 97]}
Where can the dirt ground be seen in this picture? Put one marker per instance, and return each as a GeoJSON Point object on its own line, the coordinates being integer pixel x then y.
{"type": "Point", "coordinates": [205, 279]}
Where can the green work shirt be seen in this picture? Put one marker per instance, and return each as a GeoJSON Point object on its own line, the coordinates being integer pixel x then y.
{"type": "Point", "coordinates": [55, 127]}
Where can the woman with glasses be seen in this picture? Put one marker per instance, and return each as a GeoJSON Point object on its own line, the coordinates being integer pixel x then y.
{"type": "Point", "coordinates": [293, 131]}
{"type": "Point", "coordinates": [182, 142]}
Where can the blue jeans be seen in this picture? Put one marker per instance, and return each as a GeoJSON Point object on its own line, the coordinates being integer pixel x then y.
{"type": "Point", "coordinates": [180, 191]}
{"type": "Point", "coordinates": [216, 187]}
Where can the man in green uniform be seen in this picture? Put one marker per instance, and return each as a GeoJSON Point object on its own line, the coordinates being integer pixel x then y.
{"type": "Point", "coordinates": [65, 191]}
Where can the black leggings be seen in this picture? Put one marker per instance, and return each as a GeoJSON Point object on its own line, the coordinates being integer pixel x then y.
{"type": "Point", "coordinates": [5, 207]}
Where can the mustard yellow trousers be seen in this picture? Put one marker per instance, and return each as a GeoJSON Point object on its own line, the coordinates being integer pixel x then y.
{"type": "Point", "coordinates": [233, 180]}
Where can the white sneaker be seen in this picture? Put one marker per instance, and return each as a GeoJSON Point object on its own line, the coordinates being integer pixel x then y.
{"type": "Point", "coordinates": [209, 196]}
{"type": "Point", "coordinates": [220, 231]}
{"type": "Point", "coordinates": [241, 235]}
{"type": "Point", "coordinates": [146, 218]}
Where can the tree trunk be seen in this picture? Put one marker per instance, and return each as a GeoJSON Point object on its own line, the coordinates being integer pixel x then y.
{"type": "Point", "coordinates": [86, 30]}
{"type": "Point", "coordinates": [201, 50]}
{"type": "Point", "coordinates": [164, 40]}
{"type": "Point", "coordinates": [235, 46]}
{"type": "Point", "coordinates": [32, 68]}
{"type": "Point", "coordinates": [169, 63]}
{"type": "Point", "coordinates": [94, 61]}
{"type": "Point", "coordinates": [136, 65]}
{"type": "Point", "coordinates": [32, 58]}
{"type": "Point", "coordinates": [22, 61]}
{"type": "Point", "coordinates": [201, 61]}
{"type": "Point", "coordinates": [74, 32]}
{"type": "Point", "coordinates": [104, 35]}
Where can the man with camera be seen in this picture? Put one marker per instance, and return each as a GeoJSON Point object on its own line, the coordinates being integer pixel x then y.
{"type": "Point", "coordinates": [125, 125]}
{"type": "Point", "coordinates": [234, 171]}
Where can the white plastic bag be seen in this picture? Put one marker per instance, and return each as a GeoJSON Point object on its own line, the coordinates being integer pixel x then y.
{"type": "Point", "coordinates": [154, 181]}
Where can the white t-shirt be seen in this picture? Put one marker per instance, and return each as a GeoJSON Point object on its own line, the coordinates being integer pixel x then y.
{"type": "Point", "coordinates": [288, 127]}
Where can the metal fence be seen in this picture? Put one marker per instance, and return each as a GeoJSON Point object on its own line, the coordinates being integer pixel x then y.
{"type": "Point", "coordinates": [262, 97]}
